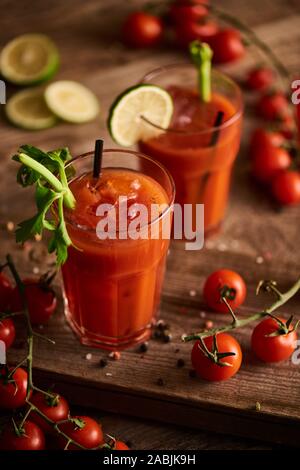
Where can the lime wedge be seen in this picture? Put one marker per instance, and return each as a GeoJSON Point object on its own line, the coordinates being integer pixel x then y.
{"type": "Point", "coordinates": [128, 116]}
{"type": "Point", "coordinates": [28, 109]}
{"type": "Point", "coordinates": [71, 101]}
{"type": "Point", "coordinates": [29, 59]}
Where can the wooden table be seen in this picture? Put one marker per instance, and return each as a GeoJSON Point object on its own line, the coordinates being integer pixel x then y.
{"type": "Point", "coordinates": [256, 240]}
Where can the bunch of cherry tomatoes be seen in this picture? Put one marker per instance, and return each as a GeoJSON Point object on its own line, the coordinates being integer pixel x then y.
{"type": "Point", "coordinates": [274, 154]}
{"type": "Point", "coordinates": [187, 20]}
{"type": "Point", "coordinates": [271, 161]}
{"type": "Point", "coordinates": [273, 339]}
{"type": "Point", "coordinates": [54, 409]}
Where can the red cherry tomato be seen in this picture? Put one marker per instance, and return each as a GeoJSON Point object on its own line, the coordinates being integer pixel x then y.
{"type": "Point", "coordinates": [262, 139]}
{"type": "Point", "coordinates": [207, 369]}
{"type": "Point", "coordinates": [56, 409]}
{"type": "Point", "coordinates": [272, 106]}
{"type": "Point", "coordinates": [272, 348]}
{"type": "Point", "coordinates": [287, 127]}
{"type": "Point", "coordinates": [142, 30]}
{"type": "Point", "coordinates": [31, 438]}
{"type": "Point", "coordinates": [85, 432]}
{"type": "Point", "coordinates": [188, 31]}
{"type": "Point", "coordinates": [7, 332]}
{"type": "Point", "coordinates": [5, 292]}
{"type": "Point", "coordinates": [286, 187]}
{"type": "Point", "coordinates": [260, 78]}
{"type": "Point", "coordinates": [13, 390]}
{"type": "Point", "coordinates": [183, 12]}
{"type": "Point", "coordinates": [40, 298]}
{"type": "Point", "coordinates": [227, 281]}
{"type": "Point", "coordinates": [119, 445]}
{"type": "Point", "coordinates": [267, 162]}
{"type": "Point", "coordinates": [227, 46]}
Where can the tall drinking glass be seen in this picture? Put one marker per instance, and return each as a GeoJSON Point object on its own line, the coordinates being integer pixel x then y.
{"type": "Point", "coordinates": [198, 152]}
{"type": "Point", "coordinates": [112, 286]}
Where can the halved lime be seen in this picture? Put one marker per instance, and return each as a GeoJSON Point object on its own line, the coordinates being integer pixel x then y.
{"type": "Point", "coordinates": [140, 112]}
{"type": "Point", "coordinates": [28, 109]}
{"type": "Point", "coordinates": [29, 59]}
{"type": "Point", "coordinates": [71, 101]}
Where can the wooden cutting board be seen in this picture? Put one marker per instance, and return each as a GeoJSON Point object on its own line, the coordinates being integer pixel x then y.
{"type": "Point", "coordinates": [131, 384]}
{"type": "Point", "coordinates": [257, 241]}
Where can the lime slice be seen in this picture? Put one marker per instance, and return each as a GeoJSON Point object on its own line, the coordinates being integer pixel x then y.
{"type": "Point", "coordinates": [28, 109]}
{"type": "Point", "coordinates": [29, 59]}
{"type": "Point", "coordinates": [71, 101]}
{"type": "Point", "coordinates": [125, 122]}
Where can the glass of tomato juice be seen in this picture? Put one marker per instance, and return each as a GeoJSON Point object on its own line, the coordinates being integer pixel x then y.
{"type": "Point", "coordinates": [198, 153]}
{"type": "Point", "coordinates": [112, 285]}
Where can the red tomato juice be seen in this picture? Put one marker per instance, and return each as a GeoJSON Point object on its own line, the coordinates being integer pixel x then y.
{"type": "Point", "coordinates": [112, 287]}
{"type": "Point", "coordinates": [199, 156]}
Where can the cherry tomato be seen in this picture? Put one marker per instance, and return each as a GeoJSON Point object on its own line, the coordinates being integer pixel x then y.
{"type": "Point", "coordinates": [40, 298]}
{"type": "Point", "coordinates": [5, 292]}
{"type": "Point", "coordinates": [207, 369]}
{"type": "Point", "coordinates": [260, 78]}
{"type": "Point", "coordinates": [298, 117]}
{"type": "Point", "coordinates": [188, 31]}
{"type": "Point", "coordinates": [267, 162]}
{"type": "Point", "coordinates": [286, 187]}
{"type": "Point", "coordinates": [119, 445]}
{"type": "Point", "coordinates": [31, 438]}
{"type": "Point", "coordinates": [272, 106]}
{"type": "Point", "coordinates": [287, 127]}
{"type": "Point", "coordinates": [142, 30]}
{"type": "Point", "coordinates": [56, 409]}
{"type": "Point", "coordinates": [13, 391]}
{"type": "Point", "coordinates": [227, 46]}
{"type": "Point", "coordinates": [7, 332]}
{"type": "Point", "coordinates": [262, 139]}
{"type": "Point", "coordinates": [272, 348]}
{"type": "Point", "coordinates": [182, 12]}
{"type": "Point", "coordinates": [230, 283]}
{"type": "Point", "coordinates": [85, 431]}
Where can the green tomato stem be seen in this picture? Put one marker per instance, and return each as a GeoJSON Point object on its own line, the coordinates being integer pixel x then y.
{"type": "Point", "coordinates": [284, 298]}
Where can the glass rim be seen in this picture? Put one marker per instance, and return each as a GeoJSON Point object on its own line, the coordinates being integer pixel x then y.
{"type": "Point", "coordinates": [137, 154]}
{"type": "Point", "coordinates": [216, 72]}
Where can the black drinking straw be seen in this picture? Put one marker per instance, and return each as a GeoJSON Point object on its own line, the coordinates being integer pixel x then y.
{"type": "Point", "coordinates": [213, 141]}
{"type": "Point", "coordinates": [98, 157]}
{"type": "Point", "coordinates": [217, 123]}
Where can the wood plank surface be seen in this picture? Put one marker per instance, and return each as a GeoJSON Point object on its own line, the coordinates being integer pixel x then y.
{"type": "Point", "coordinates": [256, 240]}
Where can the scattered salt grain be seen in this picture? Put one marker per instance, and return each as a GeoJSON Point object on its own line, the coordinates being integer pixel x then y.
{"type": "Point", "coordinates": [259, 260]}
{"type": "Point", "coordinates": [209, 324]}
{"type": "Point", "coordinates": [257, 406]}
{"type": "Point", "coordinates": [115, 355]}
{"type": "Point", "coordinates": [222, 247]}
{"type": "Point", "coordinates": [209, 245]}
{"type": "Point", "coordinates": [10, 226]}
{"type": "Point", "coordinates": [193, 293]}
{"type": "Point", "coordinates": [36, 270]}
{"type": "Point", "coordinates": [108, 374]}
{"type": "Point", "coordinates": [88, 356]}
{"type": "Point", "coordinates": [37, 237]}
{"type": "Point", "coordinates": [235, 244]}
{"type": "Point", "coordinates": [202, 314]}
